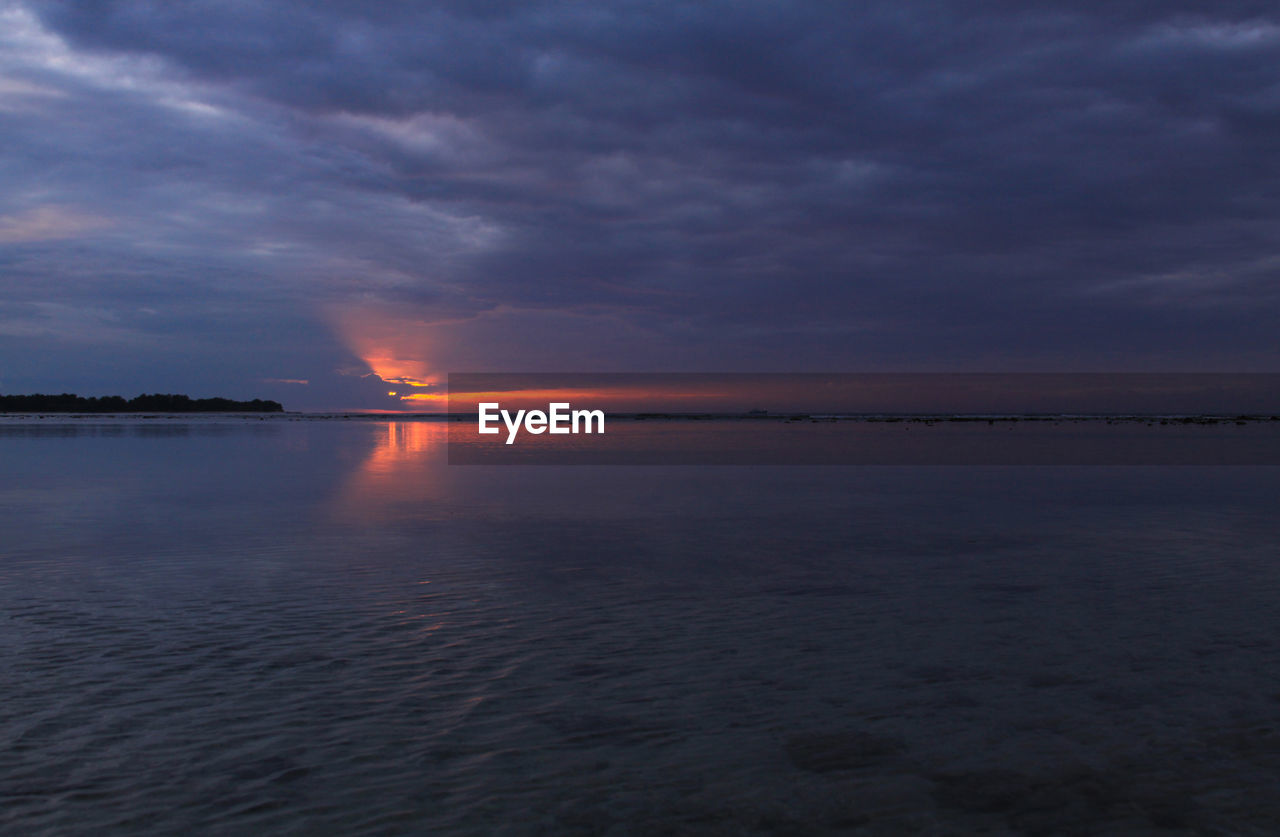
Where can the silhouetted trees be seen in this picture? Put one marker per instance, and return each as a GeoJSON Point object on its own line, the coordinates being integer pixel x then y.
{"type": "Point", "coordinates": [156, 403]}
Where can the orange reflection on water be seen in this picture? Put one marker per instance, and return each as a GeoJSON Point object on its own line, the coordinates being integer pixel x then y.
{"type": "Point", "coordinates": [400, 476]}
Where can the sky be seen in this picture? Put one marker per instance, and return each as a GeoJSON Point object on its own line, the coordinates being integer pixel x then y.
{"type": "Point", "coordinates": [336, 204]}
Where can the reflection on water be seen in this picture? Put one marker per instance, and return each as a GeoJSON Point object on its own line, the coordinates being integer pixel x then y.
{"type": "Point", "coordinates": [326, 629]}
{"type": "Point", "coordinates": [11, 426]}
{"type": "Point", "coordinates": [403, 444]}
{"type": "Point", "coordinates": [399, 476]}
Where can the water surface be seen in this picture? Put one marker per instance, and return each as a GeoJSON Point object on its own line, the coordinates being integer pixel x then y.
{"type": "Point", "coordinates": [229, 626]}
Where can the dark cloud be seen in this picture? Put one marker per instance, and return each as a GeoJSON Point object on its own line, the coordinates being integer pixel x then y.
{"type": "Point", "coordinates": [680, 185]}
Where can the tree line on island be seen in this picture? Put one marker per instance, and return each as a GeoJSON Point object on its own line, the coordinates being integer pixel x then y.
{"type": "Point", "coordinates": [155, 403]}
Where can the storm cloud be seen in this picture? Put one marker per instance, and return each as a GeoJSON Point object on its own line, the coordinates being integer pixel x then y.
{"type": "Point", "coordinates": [237, 197]}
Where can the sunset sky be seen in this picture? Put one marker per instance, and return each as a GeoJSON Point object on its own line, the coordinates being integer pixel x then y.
{"type": "Point", "coordinates": [326, 203]}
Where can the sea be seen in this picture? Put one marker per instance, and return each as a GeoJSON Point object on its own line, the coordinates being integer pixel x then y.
{"type": "Point", "coordinates": [318, 625]}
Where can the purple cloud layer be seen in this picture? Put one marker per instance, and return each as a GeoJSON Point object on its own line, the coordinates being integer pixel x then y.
{"type": "Point", "coordinates": [233, 197]}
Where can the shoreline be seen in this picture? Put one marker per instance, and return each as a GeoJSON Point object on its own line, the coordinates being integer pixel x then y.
{"type": "Point", "coordinates": [928, 419]}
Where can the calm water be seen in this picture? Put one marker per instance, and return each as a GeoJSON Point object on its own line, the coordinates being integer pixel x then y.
{"type": "Point", "coordinates": [308, 627]}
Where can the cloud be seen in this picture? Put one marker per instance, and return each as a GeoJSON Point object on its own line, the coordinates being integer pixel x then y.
{"type": "Point", "coordinates": [746, 184]}
{"type": "Point", "coordinates": [48, 223]}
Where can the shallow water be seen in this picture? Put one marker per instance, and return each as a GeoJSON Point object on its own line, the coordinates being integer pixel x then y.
{"type": "Point", "coordinates": [319, 626]}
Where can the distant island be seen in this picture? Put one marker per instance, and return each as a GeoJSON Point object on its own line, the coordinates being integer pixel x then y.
{"type": "Point", "coordinates": [157, 403]}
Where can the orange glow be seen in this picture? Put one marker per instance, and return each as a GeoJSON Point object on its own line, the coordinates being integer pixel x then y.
{"type": "Point", "coordinates": [400, 474]}
{"type": "Point", "coordinates": [396, 345]}
{"type": "Point", "coordinates": [620, 398]}
{"type": "Point", "coordinates": [390, 344]}
{"type": "Point", "coordinates": [403, 441]}
{"type": "Point", "coordinates": [400, 346]}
